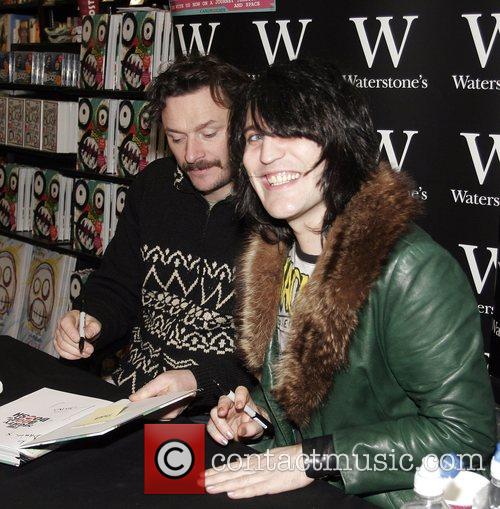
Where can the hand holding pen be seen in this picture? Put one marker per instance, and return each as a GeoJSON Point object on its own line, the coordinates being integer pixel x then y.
{"type": "Point", "coordinates": [237, 417]}
{"type": "Point", "coordinates": [75, 334]}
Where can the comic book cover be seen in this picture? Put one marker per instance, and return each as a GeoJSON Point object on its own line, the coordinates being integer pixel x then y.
{"type": "Point", "coordinates": [136, 49]}
{"type": "Point", "coordinates": [91, 203]}
{"type": "Point", "coordinates": [22, 67]}
{"type": "Point", "coordinates": [93, 51]}
{"type": "Point", "coordinates": [14, 260]}
{"type": "Point", "coordinates": [15, 121]}
{"type": "Point", "coordinates": [14, 29]}
{"type": "Point", "coordinates": [118, 195]}
{"type": "Point", "coordinates": [93, 123]}
{"type": "Point", "coordinates": [3, 120]}
{"type": "Point", "coordinates": [52, 68]}
{"type": "Point", "coordinates": [5, 62]}
{"type": "Point", "coordinates": [134, 138]}
{"type": "Point", "coordinates": [45, 290]}
{"type": "Point", "coordinates": [47, 206]}
{"type": "Point", "coordinates": [32, 123]}
{"type": "Point", "coordinates": [9, 187]}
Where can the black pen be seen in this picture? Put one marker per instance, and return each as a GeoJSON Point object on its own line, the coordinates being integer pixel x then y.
{"type": "Point", "coordinates": [81, 343]}
{"type": "Point", "coordinates": [258, 418]}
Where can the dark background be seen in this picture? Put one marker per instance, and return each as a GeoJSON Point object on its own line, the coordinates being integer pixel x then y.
{"type": "Point", "coordinates": [439, 44]}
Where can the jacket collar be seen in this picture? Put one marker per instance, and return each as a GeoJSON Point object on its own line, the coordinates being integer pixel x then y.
{"type": "Point", "coordinates": [325, 314]}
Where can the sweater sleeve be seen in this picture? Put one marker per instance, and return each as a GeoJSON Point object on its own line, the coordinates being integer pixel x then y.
{"type": "Point", "coordinates": [227, 371]}
{"type": "Point", "coordinates": [112, 292]}
{"type": "Point", "coordinates": [433, 346]}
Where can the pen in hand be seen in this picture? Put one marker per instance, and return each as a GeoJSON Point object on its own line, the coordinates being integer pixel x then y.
{"type": "Point", "coordinates": [81, 343]}
{"type": "Point", "coordinates": [258, 418]}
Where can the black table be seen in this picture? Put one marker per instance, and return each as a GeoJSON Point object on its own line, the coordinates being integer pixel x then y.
{"type": "Point", "coordinates": [107, 471]}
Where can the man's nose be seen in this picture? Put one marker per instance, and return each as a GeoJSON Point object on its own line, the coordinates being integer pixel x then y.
{"type": "Point", "coordinates": [270, 149]}
{"type": "Point", "coordinates": [194, 150]}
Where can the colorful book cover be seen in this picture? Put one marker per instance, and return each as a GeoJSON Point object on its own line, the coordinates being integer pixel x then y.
{"type": "Point", "coordinates": [15, 121]}
{"type": "Point", "coordinates": [93, 51]}
{"type": "Point", "coordinates": [9, 187]}
{"type": "Point", "coordinates": [3, 120]}
{"type": "Point", "coordinates": [136, 49]}
{"type": "Point", "coordinates": [133, 137]}
{"type": "Point", "coordinates": [22, 67]}
{"type": "Point", "coordinates": [47, 275]}
{"type": "Point", "coordinates": [53, 68]}
{"type": "Point", "coordinates": [32, 123]}
{"type": "Point", "coordinates": [14, 259]}
{"type": "Point", "coordinates": [119, 193]}
{"type": "Point", "coordinates": [90, 216]}
{"type": "Point", "coordinates": [93, 116]}
{"type": "Point", "coordinates": [14, 29]}
{"type": "Point", "coordinates": [5, 59]}
{"type": "Point", "coordinates": [46, 204]}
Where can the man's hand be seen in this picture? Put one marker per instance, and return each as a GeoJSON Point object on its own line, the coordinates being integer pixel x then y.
{"type": "Point", "coordinates": [229, 421]}
{"type": "Point", "coordinates": [177, 380]}
{"type": "Point", "coordinates": [68, 337]}
{"type": "Point", "coordinates": [275, 471]}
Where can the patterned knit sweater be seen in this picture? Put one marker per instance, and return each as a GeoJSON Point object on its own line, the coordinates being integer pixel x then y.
{"type": "Point", "coordinates": [167, 279]}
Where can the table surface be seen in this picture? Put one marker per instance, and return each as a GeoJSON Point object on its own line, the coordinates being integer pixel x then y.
{"type": "Point", "coordinates": [108, 471]}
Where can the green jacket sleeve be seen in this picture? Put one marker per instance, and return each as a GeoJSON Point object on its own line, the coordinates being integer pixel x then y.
{"type": "Point", "coordinates": [430, 334]}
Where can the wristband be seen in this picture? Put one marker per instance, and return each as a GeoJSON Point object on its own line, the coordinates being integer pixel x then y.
{"type": "Point", "coordinates": [320, 461]}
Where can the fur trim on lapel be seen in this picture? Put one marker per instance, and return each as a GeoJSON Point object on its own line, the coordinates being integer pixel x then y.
{"type": "Point", "coordinates": [325, 314]}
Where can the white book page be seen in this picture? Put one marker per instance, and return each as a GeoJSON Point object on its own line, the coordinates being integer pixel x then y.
{"type": "Point", "coordinates": [39, 413]}
{"type": "Point", "coordinates": [81, 429]}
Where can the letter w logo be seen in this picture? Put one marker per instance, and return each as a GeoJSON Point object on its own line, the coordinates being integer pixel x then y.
{"type": "Point", "coordinates": [386, 143]}
{"type": "Point", "coordinates": [386, 32]}
{"type": "Point", "coordinates": [482, 171]}
{"type": "Point", "coordinates": [282, 34]}
{"type": "Point", "coordinates": [196, 38]}
{"type": "Point", "coordinates": [482, 53]}
{"type": "Point", "coordinates": [479, 281]}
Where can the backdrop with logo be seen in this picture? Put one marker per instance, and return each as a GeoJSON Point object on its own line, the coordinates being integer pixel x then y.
{"type": "Point", "coordinates": [431, 71]}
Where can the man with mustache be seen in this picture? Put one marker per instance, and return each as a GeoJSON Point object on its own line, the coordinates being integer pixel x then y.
{"type": "Point", "coordinates": [167, 274]}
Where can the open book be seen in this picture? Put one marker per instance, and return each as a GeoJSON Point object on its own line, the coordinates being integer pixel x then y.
{"type": "Point", "coordinates": [48, 417]}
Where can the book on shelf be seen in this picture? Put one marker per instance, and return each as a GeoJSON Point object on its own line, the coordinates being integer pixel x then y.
{"type": "Point", "coordinates": [15, 121]}
{"type": "Point", "coordinates": [59, 129]}
{"type": "Point", "coordinates": [33, 124]}
{"type": "Point", "coordinates": [140, 48]}
{"type": "Point", "coordinates": [15, 258]}
{"type": "Point", "coordinates": [46, 298]}
{"type": "Point", "coordinates": [96, 125]}
{"type": "Point", "coordinates": [15, 29]}
{"type": "Point", "coordinates": [50, 417]}
{"type": "Point", "coordinates": [118, 196]}
{"type": "Point", "coordinates": [22, 67]}
{"type": "Point", "coordinates": [3, 120]}
{"type": "Point", "coordinates": [135, 138]}
{"type": "Point", "coordinates": [49, 205]}
{"type": "Point", "coordinates": [91, 213]}
{"type": "Point", "coordinates": [93, 55]}
{"type": "Point", "coordinates": [9, 188]}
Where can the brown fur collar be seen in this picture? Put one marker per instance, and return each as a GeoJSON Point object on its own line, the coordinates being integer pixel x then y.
{"type": "Point", "coordinates": [325, 313]}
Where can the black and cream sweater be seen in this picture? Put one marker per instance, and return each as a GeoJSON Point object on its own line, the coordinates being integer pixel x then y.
{"type": "Point", "coordinates": [167, 278]}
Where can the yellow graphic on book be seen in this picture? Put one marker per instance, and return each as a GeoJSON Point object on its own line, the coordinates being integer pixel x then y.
{"type": "Point", "coordinates": [293, 282]}
{"type": "Point", "coordinates": [103, 414]}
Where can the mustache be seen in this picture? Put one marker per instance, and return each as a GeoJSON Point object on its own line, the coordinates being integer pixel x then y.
{"type": "Point", "coordinates": [201, 165]}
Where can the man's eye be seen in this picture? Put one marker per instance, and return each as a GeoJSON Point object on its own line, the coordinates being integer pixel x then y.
{"type": "Point", "coordinates": [254, 138]}
{"type": "Point", "coordinates": [210, 134]}
{"type": "Point", "coordinates": [175, 140]}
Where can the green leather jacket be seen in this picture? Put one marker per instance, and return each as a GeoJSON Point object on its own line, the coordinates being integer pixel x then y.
{"type": "Point", "coordinates": [415, 381]}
